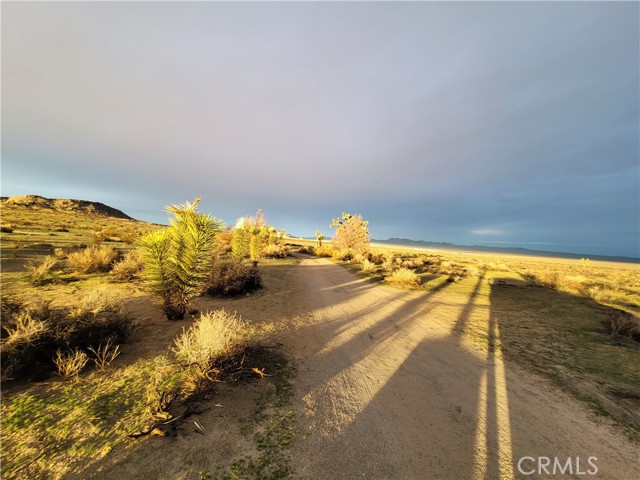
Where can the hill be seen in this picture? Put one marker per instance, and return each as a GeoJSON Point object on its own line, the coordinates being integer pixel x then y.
{"type": "Point", "coordinates": [37, 202]}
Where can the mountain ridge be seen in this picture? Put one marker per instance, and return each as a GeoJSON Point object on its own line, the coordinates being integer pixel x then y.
{"type": "Point", "coordinates": [65, 205]}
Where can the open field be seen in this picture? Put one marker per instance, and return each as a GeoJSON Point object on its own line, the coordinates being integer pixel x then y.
{"type": "Point", "coordinates": [450, 371]}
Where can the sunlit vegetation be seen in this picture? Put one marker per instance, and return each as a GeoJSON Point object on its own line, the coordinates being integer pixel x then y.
{"type": "Point", "coordinates": [178, 258]}
{"type": "Point", "coordinates": [68, 278]}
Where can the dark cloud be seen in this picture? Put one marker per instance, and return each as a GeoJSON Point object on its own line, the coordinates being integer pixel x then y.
{"type": "Point", "coordinates": [465, 122]}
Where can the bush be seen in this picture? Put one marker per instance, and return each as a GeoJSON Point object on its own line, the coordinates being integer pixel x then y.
{"type": "Point", "coordinates": [40, 272]}
{"type": "Point", "coordinates": [231, 276]}
{"type": "Point", "coordinates": [215, 337]}
{"type": "Point", "coordinates": [403, 276]}
{"type": "Point", "coordinates": [275, 251]}
{"type": "Point", "coordinates": [623, 324]}
{"type": "Point", "coordinates": [368, 267]}
{"type": "Point", "coordinates": [345, 254]}
{"type": "Point", "coordinates": [6, 228]}
{"type": "Point", "coordinates": [129, 267]}
{"type": "Point", "coordinates": [71, 363]}
{"type": "Point", "coordinates": [324, 251]}
{"type": "Point", "coordinates": [351, 233]}
{"type": "Point", "coordinates": [308, 249]}
{"type": "Point", "coordinates": [96, 258]}
{"type": "Point", "coordinates": [33, 332]}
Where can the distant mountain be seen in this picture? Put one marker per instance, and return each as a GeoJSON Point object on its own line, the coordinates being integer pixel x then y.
{"type": "Point", "coordinates": [65, 205]}
{"type": "Point", "coordinates": [513, 250]}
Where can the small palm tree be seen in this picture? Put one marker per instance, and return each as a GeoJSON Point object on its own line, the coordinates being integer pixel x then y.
{"type": "Point", "coordinates": [178, 258]}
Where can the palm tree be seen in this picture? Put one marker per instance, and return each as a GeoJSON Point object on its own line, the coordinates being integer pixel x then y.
{"type": "Point", "coordinates": [178, 258]}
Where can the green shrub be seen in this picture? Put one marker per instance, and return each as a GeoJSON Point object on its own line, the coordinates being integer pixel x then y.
{"type": "Point", "coordinates": [231, 276]}
{"type": "Point", "coordinates": [96, 258]}
{"type": "Point", "coordinates": [178, 258]}
{"type": "Point", "coordinates": [403, 276]}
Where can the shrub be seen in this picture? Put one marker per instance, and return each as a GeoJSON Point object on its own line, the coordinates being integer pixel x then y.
{"type": "Point", "coordinates": [308, 249]}
{"type": "Point", "coordinates": [33, 332]}
{"type": "Point", "coordinates": [223, 240]}
{"type": "Point", "coordinates": [403, 276]}
{"type": "Point", "coordinates": [231, 276]}
{"type": "Point", "coordinates": [600, 294]}
{"type": "Point", "coordinates": [96, 258]}
{"type": "Point", "coordinates": [275, 251]}
{"type": "Point", "coordinates": [240, 240]}
{"type": "Point", "coordinates": [40, 272]}
{"type": "Point", "coordinates": [215, 337]}
{"type": "Point", "coordinates": [324, 251]}
{"type": "Point", "coordinates": [345, 254]}
{"type": "Point", "coordinates": [351, 232]}
{"type": "Point", "coordinates": [623, 324]}
{"type": "Point", "coordinates": [177, 258]}
{"type": "Point", "coordinates": [6, 228]}
{"type": "Point", "coordinates": [389, 263]}
{"type": "Point", "coordinates": [368, 267]}
{"type": "Point", "coordinates": [104, 354]}
{"type": "Point", "coordinates": [71, 363]}
{"type": "Point", "coordinates": [129, 267]}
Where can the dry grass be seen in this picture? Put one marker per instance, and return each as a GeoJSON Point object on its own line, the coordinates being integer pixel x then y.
{"type": "Point", "coordinates": [103, 355]}
{"type": "Point", "coordinates": [129, 267]}
{"type": "Point", "coordinates": [368, 267]}
{"type": "Point", "coordinates": [621, 324]}
{"type": "Point", "coordinates": [214, 337]}
{"type": "Point", "coordinates": [40, 272]}
{"type": "Point", "coordinates": [403, 276]}
{"type": "Point", "coordinates": [70, 364]}
{"type": "Point", "coordinates": [97, 258]}
{"type": "Point", "coordinates": [275, 251]}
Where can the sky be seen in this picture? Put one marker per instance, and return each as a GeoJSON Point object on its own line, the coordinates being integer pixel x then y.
{"type": "Point", "coordinates": [481, 123]}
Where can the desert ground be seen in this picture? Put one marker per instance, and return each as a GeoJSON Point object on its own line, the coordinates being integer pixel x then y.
{"type": "Point", "coordinates": [479, 378]}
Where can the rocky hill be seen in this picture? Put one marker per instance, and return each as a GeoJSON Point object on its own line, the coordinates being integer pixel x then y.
{"type": "Point", "coordinates": [37, 202]}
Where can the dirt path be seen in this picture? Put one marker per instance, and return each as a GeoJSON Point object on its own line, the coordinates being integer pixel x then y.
{"type": "Point", "coordinates": [387, 389]}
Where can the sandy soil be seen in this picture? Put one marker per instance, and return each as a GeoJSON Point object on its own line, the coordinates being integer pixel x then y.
{"type": "Point", "coordinates": [386, 389]}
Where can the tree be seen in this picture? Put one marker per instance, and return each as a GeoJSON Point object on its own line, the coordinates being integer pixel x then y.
{"type": "Point", "coordinates": [177, 259]}
{"type": "Point", "coordinates": [319, 237]}
{"type": "Point", "coordinates": [351, 232]}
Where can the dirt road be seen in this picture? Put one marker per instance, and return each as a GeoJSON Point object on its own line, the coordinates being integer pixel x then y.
{"type": "Point", "coordinates": [388, 389]}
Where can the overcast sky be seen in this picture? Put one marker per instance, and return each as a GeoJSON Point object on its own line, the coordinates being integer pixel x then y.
{"type": "Point", "coordinates": [475, 123]}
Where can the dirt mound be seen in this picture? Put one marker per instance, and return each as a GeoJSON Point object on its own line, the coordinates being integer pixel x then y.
{"type": "Point", "coordinates": [65, 205]}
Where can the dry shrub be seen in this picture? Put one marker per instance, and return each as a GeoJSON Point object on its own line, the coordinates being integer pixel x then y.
{"type": "Point", "coordinates": [377, 258]}
{"type": "Point", "coordinates": [6, 228]}
{"type": "Point", "coordinates": [359, 258]}
{"type": "Point", "coordinates": [103, 355]}
{"type": "Point", "coordinates": [70, 364]}
{"type": "Point", "coordinates": [60, 253]}
{"type": "Point", "coordinates": [41, 272]}
{"type": "Point", "coordinates": [275, 251]}
{"type": "Point", "coordinates": [600, 294]}
{"type": "Point", "coordinates": [368, 267]}
{"type": "Point", "coordinates": [215, 337]}
{"type": "Point", "coordinates": [389, 263]}
{"type": "Point", "coordinates": [308, 249]}
{"type": "Point", "coordinates": [129, 267]}
{"type": "Point", "coordinates": [324, 251]}
{"type": "Point", "coordinates": [231, 276]}
{"type": "Point", "coordinates": [223, 242]}
{"type": "Point", "coordinates": [345, 254]}
{"type": "Point", "coordinates": [403, 276]}
{"type": "Point", "coordinates": [622, 324]}
{"type": "Point", "coordinates": [33, 332]}
{"type": "Point", "coordinates": [97, 258]}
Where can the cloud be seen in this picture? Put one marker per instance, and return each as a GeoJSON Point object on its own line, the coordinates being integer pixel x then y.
{"type": "Point", "coordinates": [487, 231]}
